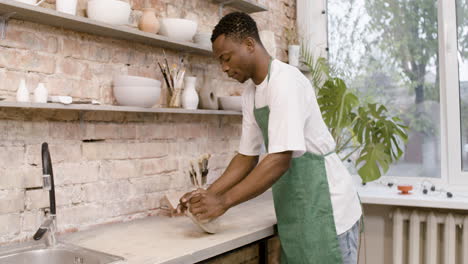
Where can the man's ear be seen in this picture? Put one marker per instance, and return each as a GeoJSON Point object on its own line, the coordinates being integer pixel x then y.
{"type": "Point", "coordinates": [250, 43]}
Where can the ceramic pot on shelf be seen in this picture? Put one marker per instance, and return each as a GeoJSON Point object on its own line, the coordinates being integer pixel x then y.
{"type": "Point", "coordinates": [208, 98]}
{"type": "Point", "coordinates": [22, 94]}
{"type": "Point", "coordinates": [189, 96]}
{"type": "Point", "coordinates": [40, 94]}
{"type": "Point", "coordinates": [66, 6]}
{"type": "Point", "coordinates": [148, 22]}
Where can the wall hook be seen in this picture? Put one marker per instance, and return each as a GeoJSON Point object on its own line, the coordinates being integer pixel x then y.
{"type": "Point", "coordinates": [4, 23]}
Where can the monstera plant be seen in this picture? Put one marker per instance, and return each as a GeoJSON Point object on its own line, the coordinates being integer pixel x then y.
{"type": "Point", "coordinates": [368, 132]}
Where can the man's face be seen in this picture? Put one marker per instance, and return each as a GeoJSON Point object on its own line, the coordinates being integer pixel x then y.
{"type": "Point", "coordinates": [234, 56]}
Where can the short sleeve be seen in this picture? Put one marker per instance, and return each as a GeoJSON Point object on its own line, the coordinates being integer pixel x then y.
{"type": "Point", "coordinates": [252, 139]}
{"type": "Point", "coordinates": [287, 103]}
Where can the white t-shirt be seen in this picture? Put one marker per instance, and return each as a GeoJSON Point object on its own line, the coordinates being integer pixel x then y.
{"type": "Point", "coordinates": [296, 124]}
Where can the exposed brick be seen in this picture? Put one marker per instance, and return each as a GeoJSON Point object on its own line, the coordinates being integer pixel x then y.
{"type": "Point", "coordinates": [18, 37]}
{"type": "Point", "coordinates": [36, 199]}
{"type": "Point", "coordinates": [149, 184]}
{"type": "Point", "coordinates": [59, 152]}
{"type": "Point", "coordinates": [103, 151]}
{"type": "Point", "coordinates": [107, 191]}
{"type": "Point", "coordinates": [12, 222]}
{"type": "Point", "coordinates": [72, 67]}
{"type": "Point", "coordinates": [148, 150]}
{"type": "Point", "coordinates": [11, 157]}
{"type": "Point", "coordinates": [100, 53]}
{"type": "Point", "coordinates": [31, 220]}
{"type": "Point", "coordinates": [143, 154]}
{"type": "Point", "coordinates": [68, 195]}
{"type": "Point", "coordinates": [10, 80]}
{"type": "Point", "coordinates": [76, 173]}
{"type": "Point", "coordinates": [22, 177]}
{"type": "Point", "coordinates": [29, 61]}
{"type": "Point", "coordinates": [11, 201]}
{"type": "Point", "coordinates": [159, 166]}
{"type": "Point", "coordinates": [74, 48]}
{"type": "Point", "coordinates": [120, 169]}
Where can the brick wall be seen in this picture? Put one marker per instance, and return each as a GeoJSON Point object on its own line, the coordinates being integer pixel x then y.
{"type": "Point", "coordinates": [108, 166]}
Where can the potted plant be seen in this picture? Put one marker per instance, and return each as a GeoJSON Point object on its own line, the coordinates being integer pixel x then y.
{"type": "Point", "coordinates": [293, 46]}
{"type": "Point", "coordinates": [366, 134]}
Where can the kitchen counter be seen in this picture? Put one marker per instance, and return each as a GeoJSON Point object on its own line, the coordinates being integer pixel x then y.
{"type": "Point", "coordinates": [178, 240]}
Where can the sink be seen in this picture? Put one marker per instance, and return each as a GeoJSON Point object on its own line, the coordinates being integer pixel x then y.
{"type": "Point", "coordinates": [59, 254]}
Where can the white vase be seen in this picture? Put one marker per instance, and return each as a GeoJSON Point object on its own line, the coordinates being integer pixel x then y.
{"type": "Point", "coordinates": [40, 94]}
{"type": "Point", "coordinates": [293, 55]}
{"type": "Point", "coordinates": [66, 6]}
{"type": "Point", "coordinates": [22, 94]}
{"type": "Point", "coordinates": [190, 96]}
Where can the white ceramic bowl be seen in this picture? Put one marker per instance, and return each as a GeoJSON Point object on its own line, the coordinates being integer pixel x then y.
{"type": "Point", "coordinates": [178, 28]}
{"type": "Point", "coordinates": [109, 11]}
{"type": "Point", "coordinates": [233, 103]}
{"type": "Point", "coordinates": [129, 80]}
{"type": "Point", "coordinates": [140, 96]}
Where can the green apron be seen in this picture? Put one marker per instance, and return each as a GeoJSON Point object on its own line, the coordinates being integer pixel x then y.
{"type": "Point", "coordinates": [303, 207]}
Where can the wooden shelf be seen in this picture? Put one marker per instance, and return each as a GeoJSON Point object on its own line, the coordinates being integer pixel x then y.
{"type": "Point", "coordinates": [247, 6]}
{"type": "Point", "coordinates": [113, 108]}
{"type": "Point", "coordinates": [51, 17]}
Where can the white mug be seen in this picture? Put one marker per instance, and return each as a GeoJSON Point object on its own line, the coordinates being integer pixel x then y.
{"type": "Point", "coordinates": [31, 2]}
{"type": "Point", "coordinates": [66, 6]}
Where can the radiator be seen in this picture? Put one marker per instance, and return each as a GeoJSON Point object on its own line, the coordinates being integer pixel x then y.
{"type": "Point", "coordinates": [429, 237]}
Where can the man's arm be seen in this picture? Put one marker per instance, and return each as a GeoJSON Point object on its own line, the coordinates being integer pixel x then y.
{"type": "Point", "coordinates": [206, 205]}
{"type": "Point", "coordinates": [239, 167]}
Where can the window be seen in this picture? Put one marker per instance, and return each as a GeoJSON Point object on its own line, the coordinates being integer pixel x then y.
{"type": "Point", "coordinates": [388, 52]}
{"type": "Point", "coordinates": [462, 36]}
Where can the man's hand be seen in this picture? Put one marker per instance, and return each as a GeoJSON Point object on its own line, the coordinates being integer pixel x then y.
{"type": "Point", "coordinates": [184, 201]}
{"type": "Point", "coordinates": [204, 205]}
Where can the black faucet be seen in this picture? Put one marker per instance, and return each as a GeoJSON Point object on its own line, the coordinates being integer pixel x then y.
{"type": "Point", "coordinates": [48, 183]}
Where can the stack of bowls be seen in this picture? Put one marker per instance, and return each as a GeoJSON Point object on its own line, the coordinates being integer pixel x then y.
{"type": "Point", "coordinates": [136, 91]}
{"type": "Point", "coordinates": [178, 29]}
{"type": "Point", "coordinates": [109, 11]}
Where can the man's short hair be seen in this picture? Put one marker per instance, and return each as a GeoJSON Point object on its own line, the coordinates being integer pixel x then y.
{"type": "Point", "coordinates": [238, 26]}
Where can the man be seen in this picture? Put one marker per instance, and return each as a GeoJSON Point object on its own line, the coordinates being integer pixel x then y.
{"type": "Point", "coordinates": [316, 205]}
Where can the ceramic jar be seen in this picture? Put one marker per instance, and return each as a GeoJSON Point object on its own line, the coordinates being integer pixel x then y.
{"type": "Point", "coordinates": [40, 94]}
{"type": "Point", "coordinates": [190, 96]}
{"type": "Point", "coordinates": [22, 94]}
{"type": "Point", "coordinates": [148, 22]}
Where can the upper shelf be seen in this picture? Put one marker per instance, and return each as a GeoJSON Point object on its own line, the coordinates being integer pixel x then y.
{"type": "Point", "coordinates": [112, 108]}
{"type": "Point", "coordinates": [51, 17]}
{"type": "Point", "coordinates": [247, 6]}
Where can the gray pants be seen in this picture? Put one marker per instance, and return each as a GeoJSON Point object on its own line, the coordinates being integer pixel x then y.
{"type": "Point", "coordinates": [349, 244]}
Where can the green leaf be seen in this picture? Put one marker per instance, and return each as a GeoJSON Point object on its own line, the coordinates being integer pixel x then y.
{"type": "Point", "coordinates": [372, 162]}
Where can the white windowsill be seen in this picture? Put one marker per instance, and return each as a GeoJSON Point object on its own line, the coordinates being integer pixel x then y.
{"type": "Point", "coordinates": [374, 193]}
